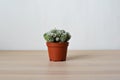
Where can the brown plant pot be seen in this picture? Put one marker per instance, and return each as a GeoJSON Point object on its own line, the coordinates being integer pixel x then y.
{"type": "Point", "coordinates": [57, 51]}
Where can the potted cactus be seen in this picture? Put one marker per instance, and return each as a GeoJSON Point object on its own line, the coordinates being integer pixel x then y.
{"type": "Point", "coordinates": [57, 43]}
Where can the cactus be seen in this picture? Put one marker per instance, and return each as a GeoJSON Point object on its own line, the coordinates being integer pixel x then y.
{"type": "Point", "coordinates": [56, 35]}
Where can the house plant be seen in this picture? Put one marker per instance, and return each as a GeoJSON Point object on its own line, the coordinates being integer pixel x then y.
{"type": "Point", "coordinates": [57, 43]}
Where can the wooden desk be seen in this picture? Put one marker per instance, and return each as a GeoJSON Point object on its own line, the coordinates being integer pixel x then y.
{"type": "Point", "coordinates": [80, 65]}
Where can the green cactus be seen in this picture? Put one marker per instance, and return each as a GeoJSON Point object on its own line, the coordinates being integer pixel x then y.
{"type": "Point", "coordinates": [56, 35]}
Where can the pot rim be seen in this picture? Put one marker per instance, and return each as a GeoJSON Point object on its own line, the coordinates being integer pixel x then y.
{"type": "Point", "coordinates": [57, 43]}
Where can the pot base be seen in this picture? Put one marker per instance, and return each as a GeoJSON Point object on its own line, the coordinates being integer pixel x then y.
{"type": "Point", "coordinates": [56, 60]}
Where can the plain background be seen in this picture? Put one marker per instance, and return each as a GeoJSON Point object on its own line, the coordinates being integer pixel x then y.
{"type": "Point", "coordinates": [93, 24]}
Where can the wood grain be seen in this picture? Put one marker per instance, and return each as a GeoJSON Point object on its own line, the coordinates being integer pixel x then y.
{"type": "Point", "coordinates": [80, 65]}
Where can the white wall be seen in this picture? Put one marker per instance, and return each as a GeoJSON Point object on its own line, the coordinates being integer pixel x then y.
{"type": "Point", "coordinates": [93, 24]}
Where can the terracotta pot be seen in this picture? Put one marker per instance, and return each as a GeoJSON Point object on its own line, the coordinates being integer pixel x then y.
{"type": "Point", "coordinates": [57, 51]}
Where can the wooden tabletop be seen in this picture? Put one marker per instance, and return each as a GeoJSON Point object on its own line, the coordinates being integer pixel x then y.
{"type": "Point", "coordinates": [80, 65]}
